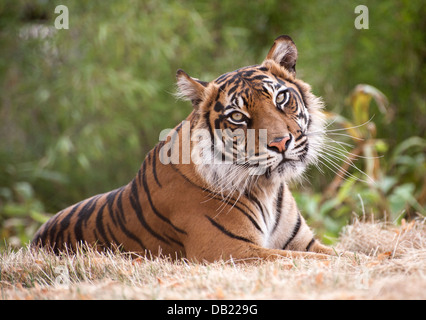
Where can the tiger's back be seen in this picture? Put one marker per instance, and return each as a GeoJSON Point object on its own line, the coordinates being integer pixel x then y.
{"type": "Point", "coordinates": [126, 217]}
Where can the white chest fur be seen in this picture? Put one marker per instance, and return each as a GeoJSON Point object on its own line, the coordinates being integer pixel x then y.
{"type": "Point", "coordinates": [277, 216]}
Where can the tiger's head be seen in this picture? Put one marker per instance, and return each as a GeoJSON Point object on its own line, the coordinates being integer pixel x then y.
{"type": "Point", "coordinates": [263, 124]}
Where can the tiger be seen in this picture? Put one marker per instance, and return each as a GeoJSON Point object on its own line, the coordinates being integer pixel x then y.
{"type": "Point", "coordinates": [210, 204]}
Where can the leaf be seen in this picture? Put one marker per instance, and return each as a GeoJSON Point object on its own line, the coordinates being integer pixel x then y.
{"type": "Point", "coordinates": [39, 216]}
{"type": "Point", "coordinates": [24, 190]}
{"type": "Point", "coordinates": [361, 98]}
{"type": "Point", "coordinates": [387, 183]}
{"type": "Point", "coordinates": [15, 210]}
{"type": "Point", "coordinates": [409, 143]}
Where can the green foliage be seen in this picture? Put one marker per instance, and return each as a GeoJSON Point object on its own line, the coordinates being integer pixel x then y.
{"type": "Point", "coordinates": [389, 187]}
{"type": "Point", "coordinates": [80, 108]}
{"type": "Point", "coordinates": [21, 213]}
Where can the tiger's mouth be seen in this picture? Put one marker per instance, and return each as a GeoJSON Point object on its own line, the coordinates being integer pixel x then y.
{"type": "Point", "coordinates": [286, 165]}
{"type": "Point", "coordinates": [280, 166]}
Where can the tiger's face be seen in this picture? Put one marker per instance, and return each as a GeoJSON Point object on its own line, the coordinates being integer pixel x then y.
{"type": "Point", "coordinates": [264, 124]}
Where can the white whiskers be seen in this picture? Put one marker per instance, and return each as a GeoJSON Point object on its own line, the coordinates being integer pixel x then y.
{"type": "Point", "coordinates": [335, 157]}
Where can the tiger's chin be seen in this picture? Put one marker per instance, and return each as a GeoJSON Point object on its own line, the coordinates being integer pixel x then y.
{"type": "Point", "coordinates": [286, 171]}
{"type": "Point", "coordinates": [291, 168]}
{"type": "Point", "coordinates": [231, 178]}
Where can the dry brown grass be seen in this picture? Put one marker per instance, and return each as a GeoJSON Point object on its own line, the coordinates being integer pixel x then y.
{"type": "Point", "coordinates": [393, 267]}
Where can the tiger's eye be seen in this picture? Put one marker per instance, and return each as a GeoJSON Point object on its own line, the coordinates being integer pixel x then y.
{"type": "Point", "coordinates": [236, 116]}
{"type": "Point", "coordinates": [280, 98]}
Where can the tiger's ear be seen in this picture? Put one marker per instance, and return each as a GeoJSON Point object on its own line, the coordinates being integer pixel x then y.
{"type": "Point", "coordinates": [190, 88]}
{"type": "Point", "coordinates": [284, 52]}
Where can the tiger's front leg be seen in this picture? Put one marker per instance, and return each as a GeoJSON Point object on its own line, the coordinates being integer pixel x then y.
{"type": "Point", "coordinates": [233, 236]}
{"type": "Point", "coordinates": [249, 251]}
{"type": "Point", "coordinates": [323, 249]}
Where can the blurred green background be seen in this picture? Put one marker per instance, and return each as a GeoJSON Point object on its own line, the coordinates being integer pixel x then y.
{"type": "Point", "coordinates": [80, 108]}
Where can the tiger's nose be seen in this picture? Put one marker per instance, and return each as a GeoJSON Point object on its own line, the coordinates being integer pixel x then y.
{"type": "Point", "coordinates": [280, 144]}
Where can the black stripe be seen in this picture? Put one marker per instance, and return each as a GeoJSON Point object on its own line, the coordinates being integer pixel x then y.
{"type": "Point", "coordinates": [121, 217]}
{"type": "Point", "coordinates": [69, 240]}
{"type": "Point", "coordinates": [231, 90]}
{"type": "Point", "coordinates": [223, 77]}
{"type": "Point", "coordinates": [96, 236]}
{"type": "Point", "coordinates": [148, 158]}
{"type": "Point", "coordinates": [84, 215]}
{"type": "Point", "coordinates": [139, 176]}
{"type": "Point", "coordinates": [259, 77]}
{"type": "Point", "coordinates": [53, 229]}
{"type": "Point", "coordinates": [175, 241]}
{"type": "Point", "coordinates": [114, 239]}
{"type": "Point", "coordinates": [110, 199]}
{"type": "Point", "coordinates": [278, 207]}
{"type": "Point", "coordinates": [218, 107]}
{"type": "Point", "coordinates": [295, 231]}
{"type": "Point", "coordinates": [217, 197]}
{"type": "Point", "coordinates": [249, 217]}
{"type": "Point", "coordinates": [302, 95]}
{"type": "Point", "coordinates": [134, 201]}
{"type": "Point", "coordinates": [177, 129]}
{"type": "Point", "coordinates": [265, 92]}
{"type": "Point", "coordinates": [119, 213]}
{"type": "Point", "coordinates": [228, 233]}
{"type": "Point", "coordinates": [259, 205]}
{"type": "Point", "coordinates": [100, 224]}
{"type": "Point", "coordinates": [310, 244]}
{"type": "Point", "coordinates": [43, 236]}
{"type": "Point", "coordinates": [300, 146]}
{"type": "Point", "coordinates": [300, 136]}
{"type": "Point", "coordinates": [154, 209]}
{"type": "Point", "coordinates": [207, 121]}
{"type": "Point", "coordinates": [154, 165]}
{"type": "Point", "coordinates": [212, 136]}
